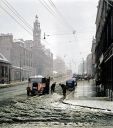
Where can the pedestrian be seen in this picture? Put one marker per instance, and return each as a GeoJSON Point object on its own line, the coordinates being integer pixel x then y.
{"type": "Point", "coordinates": [53, 87]}
{"type": "Point", "coordinates": [2, 81]}
{"type": "Point", "coordinates": [46, 89]}
{"type": "Point", "coordinates": [63, 86]}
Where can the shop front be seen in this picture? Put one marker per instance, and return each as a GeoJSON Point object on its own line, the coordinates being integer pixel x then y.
{"type": "Point", "coordinates": [4, 70]}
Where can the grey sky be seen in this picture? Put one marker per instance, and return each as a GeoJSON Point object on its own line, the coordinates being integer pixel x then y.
{"type": "Point", "coordinates": [80, 14]}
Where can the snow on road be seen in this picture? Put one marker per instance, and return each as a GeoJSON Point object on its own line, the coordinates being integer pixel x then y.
{"type": "Point", "coordinates": [51, 111]}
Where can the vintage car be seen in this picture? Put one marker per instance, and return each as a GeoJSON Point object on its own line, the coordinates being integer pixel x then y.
{"type": "Point", "coordinates": [71, 83]}
{"type": "Point", "coordinates": [38, 85]}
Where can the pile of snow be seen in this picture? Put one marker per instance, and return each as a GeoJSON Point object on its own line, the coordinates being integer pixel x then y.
{"type": "Point", "coordinates": [55, 97]}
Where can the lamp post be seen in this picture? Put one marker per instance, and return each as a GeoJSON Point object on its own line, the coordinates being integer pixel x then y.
{"type": "Point", "coordinates": [45, 35]}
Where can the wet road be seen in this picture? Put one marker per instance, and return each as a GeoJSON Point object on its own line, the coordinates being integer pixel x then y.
{"type": "Point", "coordinates": [7, 93]}
{"type": "Point", "coordinates": [11, 92]}
{"type": "Point", "coordinates": [49, 111]}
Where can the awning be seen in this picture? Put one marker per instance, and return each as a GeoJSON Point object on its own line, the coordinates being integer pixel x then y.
{"type": "Point", "coordinates": [3, 59]}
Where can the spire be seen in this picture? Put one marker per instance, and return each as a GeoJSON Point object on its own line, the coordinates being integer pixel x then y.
{"type": "Point", "coordinates": [36, 31]}
{"type": "Point", "coordinates": [36, 17]}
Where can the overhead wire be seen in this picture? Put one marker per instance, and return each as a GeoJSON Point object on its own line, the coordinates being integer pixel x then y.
{"type": "Point", "coordinates": [108, 3]}
{"type": "Point", "coordinates": [44, 4]}
{"type": "Point", "coordinates": [49, 6]}
{"type": "Point", "coordinates": [60, 14]}
{"type": "Point", "coordinates": [15, 19]}
{"type": "Point", "coordinates": [13, 10]}
{"type": "Point", "coordinates": [8, 5]}
{"type": "Point", "coordinates": [50, 10]}
{"type": "Point", "coordinates": [17, 15]}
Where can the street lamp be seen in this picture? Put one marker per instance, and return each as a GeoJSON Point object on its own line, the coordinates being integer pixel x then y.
{"type": "Point", "coordinates": [61, 34]}
{"type": "Point", "coordinates": [45, 35]}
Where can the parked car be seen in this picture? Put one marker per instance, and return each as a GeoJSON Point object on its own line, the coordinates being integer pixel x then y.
{"type": "Point", "coordinates": [38, 85]}
{"type": "Point", "coordinates": [71, 83]}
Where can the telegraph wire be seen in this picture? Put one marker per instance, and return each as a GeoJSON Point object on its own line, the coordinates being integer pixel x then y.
{"type": "Point", "coordinates": [60, 14]}
{"type": "Point", "coordinates": [13, 10]}
{"type": "Point", "coordinates": [52, 9]}
{"type": "Point", "coordinates": [51, 2]}
{"type": "Point", "coordinates": [59, 19]}
{"type": "Point", "coordinates": [47, 7]}
{"type": "Point", "coordinates": [8, 5]}
{"type": "Point", "coordinates": [15, 19]}
{"type": "Point", "coordinates": [108, 3]}
{"type": "Point", "coordinates": [62, 17]}
{"type": "Point", "coordinates": [59, 34]}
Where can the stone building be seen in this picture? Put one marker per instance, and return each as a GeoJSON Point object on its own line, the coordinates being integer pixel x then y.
{"type": "Point", "coordinates": [104, 47]}
{"type": "Point", "coordinates": [93, 57]}
{"type": "Point", "coordinates": [6, 41]}
{"type": "Point", "coordinates": [89, 65]}
{"type": "Point", "coordinates": [18, 56]}
{"type": "Point", "coordinates": [42, 57]}
{"type": "Point", "coordinates": [4, 70]}
{"type": "Point", "coordinates": [28, 57]}
{"type": "Point", "coordinates": [82, 67]}
{"type": "Point", "coordinates": [21, 60]}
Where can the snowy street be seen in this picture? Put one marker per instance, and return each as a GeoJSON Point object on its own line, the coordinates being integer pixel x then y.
{"type": "Point", "coordinates": [80, 109]}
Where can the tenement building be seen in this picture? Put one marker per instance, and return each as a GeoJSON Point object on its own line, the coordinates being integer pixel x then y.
{"type": "Point", "coordinates": [104, 48]}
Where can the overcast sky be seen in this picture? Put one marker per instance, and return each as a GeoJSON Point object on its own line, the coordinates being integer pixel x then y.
{"type": "Point", "coordinates": [59, 22]}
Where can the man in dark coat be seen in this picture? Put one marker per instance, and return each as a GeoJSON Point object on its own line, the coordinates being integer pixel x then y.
{"type": "Point", "coordinates": [53, 87]}
{"type": "Point", "coordinates": [48, 84]}
{"type": "Point", "coordinates": [63, 86]}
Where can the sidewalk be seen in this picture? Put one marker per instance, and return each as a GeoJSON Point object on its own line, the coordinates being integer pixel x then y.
{"type": "Point", "coordinates": [84, 97]}
{"type": "Point", "coordinates": [12, 84]}
{"type": "Point", "coordinates": [24, 82]}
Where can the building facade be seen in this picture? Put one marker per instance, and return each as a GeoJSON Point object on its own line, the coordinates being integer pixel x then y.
{"type": "Point", "coordinates": [18, 56]}
{"type": "Point", "coordinates": [21, 59]}
{"type": "Point", "coordinates": [89, 65]}
{"type": "Point", "coordinates": [28, 57]}
{"type": "Point", "coordinates": [4, 70]}
{"type": "Point", "coordinates": [93, 57]}
{"type": "Point", "coordinates": [104, 47]}
{"type": "Point", "coordinates": [42, 57]}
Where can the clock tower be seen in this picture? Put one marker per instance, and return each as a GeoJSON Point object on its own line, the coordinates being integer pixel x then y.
{"type": "Point", "coordinates": [36, 32]}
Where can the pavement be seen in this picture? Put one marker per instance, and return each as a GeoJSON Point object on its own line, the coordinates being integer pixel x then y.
{"type": "Point", "coordinates": [15, 83]}
{"type": "Point", "coordinates": [84, 96]}
{"type": "Point", "coordinates": [12, 84]}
